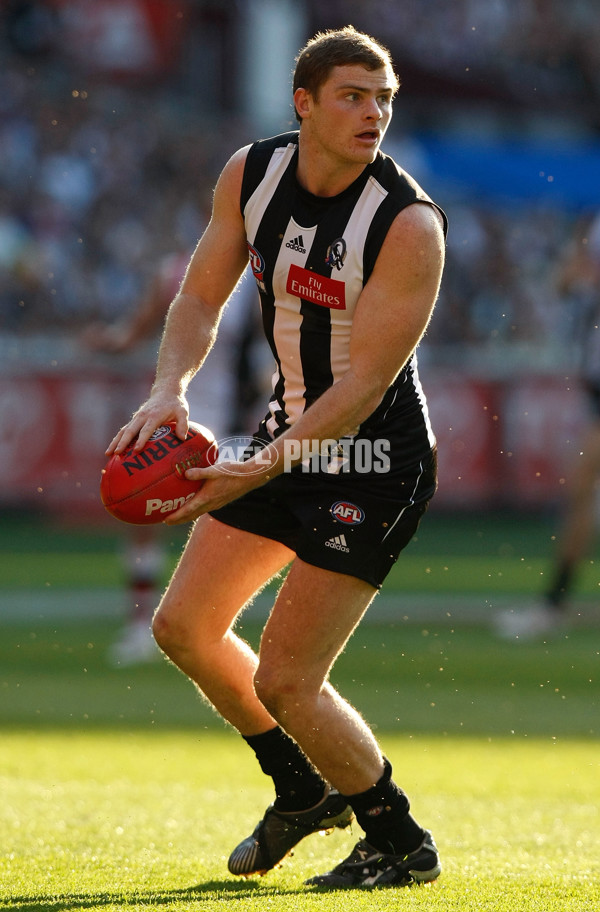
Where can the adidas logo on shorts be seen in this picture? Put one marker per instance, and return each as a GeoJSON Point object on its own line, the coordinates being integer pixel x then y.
{"type": "Point", "coordinates": [339, 543]}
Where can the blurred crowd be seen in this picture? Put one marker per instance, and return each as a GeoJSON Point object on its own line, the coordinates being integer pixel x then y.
{"type": "Point", "coordinates": [100, 177]}
{"type": "Point", "coordinates": [514, 53]}
{"type": "Point", "coordinates": [92, 192]}
{"type": "Point", "coordinates": [512, 68]}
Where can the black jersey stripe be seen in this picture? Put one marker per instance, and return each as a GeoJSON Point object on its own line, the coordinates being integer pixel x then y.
{"type": "Point", "coordinates": [316, 338]}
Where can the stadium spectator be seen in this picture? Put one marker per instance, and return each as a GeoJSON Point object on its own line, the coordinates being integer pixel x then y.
{"type": "Point", "coordinates": [579, 285]}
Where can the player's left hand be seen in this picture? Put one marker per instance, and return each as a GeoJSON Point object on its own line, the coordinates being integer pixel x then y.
{"type": "Point", "coordinates": [222, 483]}
{"type": "Point", "coordinates": [159, 409]}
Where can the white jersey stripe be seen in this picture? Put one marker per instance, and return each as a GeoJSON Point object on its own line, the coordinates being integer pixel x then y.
{"type": "Point", "coordinates": [260, 199]}
{"type": "Point", "coordinates": [351, 273]}
{"type": "Point", "coordinates": [288, 323]}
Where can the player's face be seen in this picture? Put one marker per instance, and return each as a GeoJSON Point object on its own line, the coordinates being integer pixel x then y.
{"type": "Point", "coordinates": [353, 109]}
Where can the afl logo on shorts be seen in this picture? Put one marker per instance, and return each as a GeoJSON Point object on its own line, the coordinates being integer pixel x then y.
{"type": "Point", "coordinates": [347, 513]}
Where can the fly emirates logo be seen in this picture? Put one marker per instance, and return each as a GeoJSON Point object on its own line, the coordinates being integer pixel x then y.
{"type": "Point", "coordinates": [316, 288]}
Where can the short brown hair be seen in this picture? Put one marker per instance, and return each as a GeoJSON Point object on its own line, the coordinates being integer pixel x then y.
{"type": "Point", "coordinates": [338, 47]}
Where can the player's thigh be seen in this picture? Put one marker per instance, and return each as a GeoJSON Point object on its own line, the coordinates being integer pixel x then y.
{"type": "Point", "coordinates": [313, 617]}
{"type": "Point", "coordinates": [221, 568]}
{"type": "Point", "coordinates": [586, 470]}
{"type": "Point", "coordinates": [591, 447]}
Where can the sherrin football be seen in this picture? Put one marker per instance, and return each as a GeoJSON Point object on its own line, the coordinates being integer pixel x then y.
{"type": "Point", "coordinates": [143, 488]}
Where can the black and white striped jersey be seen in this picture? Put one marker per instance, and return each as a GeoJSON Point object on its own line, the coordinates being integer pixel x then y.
{"type": "Point", "coordinates": [311, 257]}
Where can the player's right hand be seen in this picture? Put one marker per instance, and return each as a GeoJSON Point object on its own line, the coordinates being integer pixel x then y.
{"type": "Point", "coordinates": [156, 411]}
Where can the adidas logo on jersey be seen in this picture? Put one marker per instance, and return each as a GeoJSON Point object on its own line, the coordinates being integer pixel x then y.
{"type": "Point", "coordinates": [339, 543]}
{"type": "Point", "coordinates": [297, 244]}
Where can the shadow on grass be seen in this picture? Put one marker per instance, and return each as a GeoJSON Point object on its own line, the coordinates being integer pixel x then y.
{"type": "Point", "coordinates": [70, 902]}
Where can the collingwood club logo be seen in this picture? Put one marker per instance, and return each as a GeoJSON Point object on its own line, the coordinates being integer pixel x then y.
{"type": "Point", "coordinates": [297, 244]}
{"type": "Point", "coordinates": [336, 253]}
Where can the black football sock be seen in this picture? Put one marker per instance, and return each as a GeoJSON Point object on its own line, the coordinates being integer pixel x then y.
{"type": "Point", "coordinates": [562, 583]}
{"type": "Point", "coordinates": [298, 785]}
{"type": "Point", "coordinates": [383, 813]}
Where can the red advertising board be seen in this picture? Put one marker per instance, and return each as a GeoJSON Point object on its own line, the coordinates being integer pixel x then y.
{"type": "Point", "coordinates": [53, 434]}
{"type": "Point", "coordinates": [465, 419]}
{"type": "Point", "coordinates": [542, 426]}
{"type": "Point", "coordinates": [499, 444]}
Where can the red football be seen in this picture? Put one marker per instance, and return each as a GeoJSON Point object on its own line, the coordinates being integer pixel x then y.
{"type": "Point", "coordinates": [144, 487]}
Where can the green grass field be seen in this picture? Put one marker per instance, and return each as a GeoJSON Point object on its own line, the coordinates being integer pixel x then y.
{"type": "Point", "coordinates": [474, 553]}
{"type": "Point", "coordinates": [103, 820]}
{"type": "Point", "coordinates": [120, 790]}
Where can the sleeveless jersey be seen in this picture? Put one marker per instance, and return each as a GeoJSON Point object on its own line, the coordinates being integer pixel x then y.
{"type": "Point", "coordinates": [311, 257]}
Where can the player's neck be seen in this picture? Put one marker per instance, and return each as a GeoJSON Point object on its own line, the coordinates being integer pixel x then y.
{"type": "Point", "coordinates": [322, 175]}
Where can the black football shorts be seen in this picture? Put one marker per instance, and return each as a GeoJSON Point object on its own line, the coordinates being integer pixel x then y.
{"type": "Point", "coordinates": [349, 523]}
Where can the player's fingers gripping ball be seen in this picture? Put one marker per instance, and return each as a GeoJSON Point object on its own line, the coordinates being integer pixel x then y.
{"type": "Point", "coordinates": [145, 487]}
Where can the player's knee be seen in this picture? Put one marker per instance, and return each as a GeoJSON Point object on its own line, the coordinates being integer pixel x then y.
{"type": "Point", "coordinates": [281, 694]}
{"type": "Point", "coordinates": [161, 630]}
{"type": "Point", "coordinates": [168, 632]}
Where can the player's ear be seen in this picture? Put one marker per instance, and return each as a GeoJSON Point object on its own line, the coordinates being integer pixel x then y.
{"type": "Point", "coordinates": [302, 102]}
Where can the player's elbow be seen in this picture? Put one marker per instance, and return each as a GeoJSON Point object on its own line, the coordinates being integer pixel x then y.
{"type": "Point", "coordinates": [369, 396]}
{"type": "Point", "coordinates": [374, 396]}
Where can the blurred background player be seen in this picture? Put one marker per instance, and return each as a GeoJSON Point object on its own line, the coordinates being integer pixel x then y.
{"type": "Point", "coordinates": [579, 286]}
{"type": "Point", "coordinates": [225, 400]}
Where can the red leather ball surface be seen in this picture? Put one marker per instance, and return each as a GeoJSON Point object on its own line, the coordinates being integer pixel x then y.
{"type": "Point", "coordinates": [144, 488]}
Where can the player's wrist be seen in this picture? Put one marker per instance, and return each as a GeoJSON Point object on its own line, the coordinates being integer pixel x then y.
{"type": "Point", "coordinates": [168, 386]}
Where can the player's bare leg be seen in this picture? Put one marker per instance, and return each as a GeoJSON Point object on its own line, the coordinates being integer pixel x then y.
{"type": "Point", "coordinates": [219, 571]}
{"type": "Point", "coordinates": [143, 560]}
{"type": "Point", "coordinates": [313, 617]}
{"type": "Point", "coordinates": [315, 613]}
{"type": "Point", "coordinates": [550, 615]}
{"type": "Point", "coordinates": [580, 518]}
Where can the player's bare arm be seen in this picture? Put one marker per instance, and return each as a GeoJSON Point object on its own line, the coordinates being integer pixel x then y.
{"type": "Point", "coordinates": [391, 316]}
{"type": "Point", "coordinates": [125, 334]}
{"type": "Point", "coordinates": [193, 317]}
